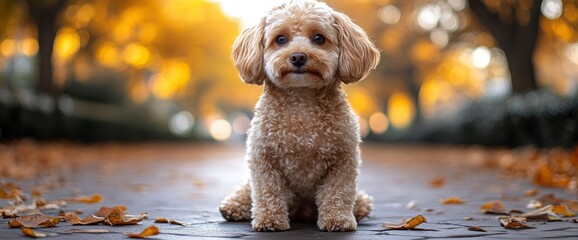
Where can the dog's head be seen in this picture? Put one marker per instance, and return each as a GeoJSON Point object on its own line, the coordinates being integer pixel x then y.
{"type": "Point", "coordinates": [304, 43]}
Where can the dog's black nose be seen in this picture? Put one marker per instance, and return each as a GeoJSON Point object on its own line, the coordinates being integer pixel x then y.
{"type": "Point", "coordinates": [298, 59]}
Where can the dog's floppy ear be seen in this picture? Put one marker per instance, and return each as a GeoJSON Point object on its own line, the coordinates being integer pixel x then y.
{"type": "Point", "coordinates": [357, 55]}
{"type": "Point", "coordinates": [248, 54]}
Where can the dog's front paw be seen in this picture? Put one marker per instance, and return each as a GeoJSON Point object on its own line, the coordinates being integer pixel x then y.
{"type": "Point", "coordinates": [337, 223]}
{"type": "Point", "coordinates": [270, 224]}
{"type": "Point", "coordinates": [234, 212]}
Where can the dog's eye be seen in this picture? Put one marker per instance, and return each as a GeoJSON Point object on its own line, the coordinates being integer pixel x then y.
{"type": "Point", "coordinates": [319, 39]}
{"type": "Point", "coordinates": [281, 40]}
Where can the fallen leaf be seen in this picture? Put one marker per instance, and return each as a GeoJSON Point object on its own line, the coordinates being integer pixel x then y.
{"type": "Point", "coordinates": [406, 223]}
{"type": "Point", "coordinates": [514, 222]}
{"type": "Point", "coordinates": [149, 231]}
{"type": "Point", "coordinates": [563, 210]}
{"type": "Point", "coordinates": [88, 220]}
{"type": "Point", "coordinates": [574, 220]}
{"type": "Point", "coordinates": [543, 217]}
{"type": "Point", "coordinates": [452, 200]}
{"type": "Point", "coordinates": [550, 199]}
{"type": "Point", "coordinates": [493, 207]}
{"type": "Point", "coordinates": [572, 205]}
{"type": "Point", "coordinates": [468, 218]}
{"type": "Point", "coordinates": [39, 201]}
{"type": "Point", "coordinates": [541, 213]}
{"type": "Point", "coordinates": [437, 182]}
{"type": "Point", "coordinates": [170, 221]}
{"type": "Point", "coordinates": [8, 215]}
{"type": "Point", "coordinates": [35, 220]}
{"type": "Point", "coordinates": [104, 211]}
{"type": "Point", "coordinates": [534, 204]}
{"type": "Point", "coordinates": [93, 231]}
{"type": "Point", "coordinates": [117, 217]}
{"type": "Point", "coordinates": [33, 234]}
{"type": "Point", "coordinates": [477, 229]}
{"type": "Point", "coordinates": [411, 204]}
{"type": "Point", "coordinates": [95, 198]}
{"type": "Point", "coordinates": [531, 192]}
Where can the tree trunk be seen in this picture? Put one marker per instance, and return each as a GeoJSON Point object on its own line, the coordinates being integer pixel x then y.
{"type": "Point", "coordinates": [44, 14]}
{"type": "Point", "coordinates": [517, 40]}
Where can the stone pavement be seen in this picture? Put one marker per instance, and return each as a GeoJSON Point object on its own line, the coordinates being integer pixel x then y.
{"type": "Point", "coordinates": [186, 182]}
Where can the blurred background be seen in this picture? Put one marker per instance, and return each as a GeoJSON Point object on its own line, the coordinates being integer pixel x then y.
{"type": "Point", "coordinates": [490, 72]}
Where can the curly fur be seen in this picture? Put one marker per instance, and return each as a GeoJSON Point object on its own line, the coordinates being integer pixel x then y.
{"type": "Point", "coordinates": [303, 143]}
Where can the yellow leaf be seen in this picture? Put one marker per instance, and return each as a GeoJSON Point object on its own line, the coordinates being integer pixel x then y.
{"type": "Point", "coordinates": [406, 223]}
{"type": "Point", "coordinates": [563, 210]}
{"type": "Point", "coordinates": [493, 207]}
{"type": "Point", "coordinates": [33, 234]}
{"type": "Point", "coordinates": [149, 231]}
{"type": "Point", "coordinates": [452, 200]}
{"type": "Point", "coordinates": [95, 198]}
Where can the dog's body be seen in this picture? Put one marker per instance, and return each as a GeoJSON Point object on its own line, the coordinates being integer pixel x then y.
{"type": "Point", "coordinates": [303, 144]}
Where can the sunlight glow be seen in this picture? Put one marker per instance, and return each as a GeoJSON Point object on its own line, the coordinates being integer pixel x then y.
{"type": "Point", "coordinates": [552, 9]}
{"type": "Point", "coordinates": [481, 57]}
{"type": "Point", "coordinates": [428, 16]}
{"type": "Point", "coordinates": [248, 11]}
{"type": "Point", "coordinates": [67, 43]}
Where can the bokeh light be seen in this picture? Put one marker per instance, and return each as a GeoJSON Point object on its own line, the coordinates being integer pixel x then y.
{"type": "Point", "coordinates": [401, 110]}
{"type": "Point", "coordinates": [378, 123]}
{"type": "Point", "coordinates": [220, 129]}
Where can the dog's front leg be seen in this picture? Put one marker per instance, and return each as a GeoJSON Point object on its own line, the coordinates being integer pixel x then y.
{"type": "Point", "coordinates": [336, 197]}
{"type": "Point", "coordinates": [270, 197]}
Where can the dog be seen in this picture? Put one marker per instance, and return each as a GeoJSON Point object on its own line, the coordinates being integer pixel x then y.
{"type": "Point", "coordinates": [303, 142]}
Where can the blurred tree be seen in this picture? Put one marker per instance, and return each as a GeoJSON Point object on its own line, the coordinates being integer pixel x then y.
{"type": "Point", "coordinates": [45, 14]}
{"type": "Point", "coordinates": [514, 26]}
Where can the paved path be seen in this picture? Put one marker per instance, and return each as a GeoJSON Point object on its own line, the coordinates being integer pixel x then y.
{"type": "Point", "coordinates": [185, 182]}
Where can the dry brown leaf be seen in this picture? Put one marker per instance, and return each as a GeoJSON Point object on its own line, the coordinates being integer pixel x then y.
{"type": "Point", "coordinates": [532, 192]}
{"type": "Point", "coordinates": [8, 215]}
{"type": "Point", "coordinates": [550, 199]}
{"type": "Point", "coordinates": [33, 234]}
{"type": "Point", "coordinates": [93, 231]}
{"type": "Point", "coordinates": [563, 210]}
{"type": "Point", "coordinates": [88, 220]}
{"type": "Point", "coordinates": [452, 200]}
{"type": "Point", "coordinates": [543, 217]}
{"type": "Point", "coordinates": [104, 211]}
{"type": "Point", "coordinates": [437, 182]}
{"type": "Point", "coordinates": [170, 221]}
{"type": "Point", "coordinates": [572, 205]}
{"type": "Point", "coordinates": [117, 217]}
{"type": "Point", "coordinates": [149, 231]}
{"type": "Point", "coordinates": [542, 213]}
{"type": "Point", "coordinates": [95, 198]}
{"type": "Point", "coordinates": [477, 229]}
{"type": "Point", "coordinates": [514, 222]}
{"type": "Point", "coordinates": [493, 207]}
{"type": "Point", "coordinates": [406, 224]}
{"type": "Point", "coordinates": [35, 220]}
